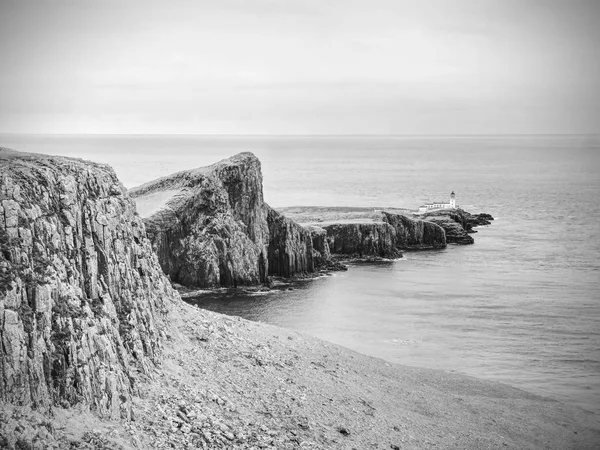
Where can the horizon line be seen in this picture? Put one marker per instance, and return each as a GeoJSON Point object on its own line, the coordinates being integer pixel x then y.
{"type": "Point", "coordinates": [308, 135]}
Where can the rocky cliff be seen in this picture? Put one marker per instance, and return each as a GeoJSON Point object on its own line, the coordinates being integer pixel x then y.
{"type": "Point", "coordinates": [362, 240]}
{"type": "Point", "coordinates": [82, 295]}
{"type": "Point", "coordinates": [457, 223]}
{"type": "Point", "coordinates": [290, 246]}
{"type": "Point", "coordinates": [210, 227]}
{"type": "Point", "coordinates": [365, 232]}
{"type": "Point", "coordinates": [415, 234]}
{"type": "Point", "coordinates": [384, 238]}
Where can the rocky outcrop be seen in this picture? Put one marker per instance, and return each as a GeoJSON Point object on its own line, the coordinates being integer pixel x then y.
{"type": "Point", "coordinates": [415, 234]}
{"type": "Point", "coordinates": [210, 227]}
{"type": "Point", "coordinates": [457, 224]}
{"type": "Point", "coordinates": [385, 238]}
{"type": "Point", "coordinates": [320, 245]}
{"type": "Point", "coordinates": [82, 295]}
{"type": "Point", "coordinates": [290, 246]}
{"type": "Point", "coordinates": [369, 239]}
{"type": "Point", "coordinates": [455, 233]}
{"type": "Point", "coordinates": [322, 257]}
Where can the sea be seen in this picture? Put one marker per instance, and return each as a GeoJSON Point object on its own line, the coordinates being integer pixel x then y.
{"type": "Point", "coordinates": [520, 306]}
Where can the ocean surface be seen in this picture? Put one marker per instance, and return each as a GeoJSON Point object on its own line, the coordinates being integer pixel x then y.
{"type": "Point", "coordinates": [521, 305]}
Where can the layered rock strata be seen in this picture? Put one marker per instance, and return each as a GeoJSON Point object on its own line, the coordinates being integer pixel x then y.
{"type": "Point", "coordinates": [82, 295]}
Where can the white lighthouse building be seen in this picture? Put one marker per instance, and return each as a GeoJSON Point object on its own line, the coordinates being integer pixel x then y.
{"type": "Point", "coordinates": [439, 205]}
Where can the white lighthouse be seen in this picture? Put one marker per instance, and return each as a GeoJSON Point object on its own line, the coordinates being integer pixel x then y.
{"type": "Point", "coordinates": [438, 205]}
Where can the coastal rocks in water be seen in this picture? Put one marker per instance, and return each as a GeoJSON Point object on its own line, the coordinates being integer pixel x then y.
{"type": "Point", "coordinates": [290, 246]}
{"type": "Point", "coordinates": [476, 220]}
{"type": "Point", "coordinates": [457, 223]}
{"type": "Point", "coordinates": [368, 239]}
{"type": "Point", "coordinates": [210, 227]}
{"type": "Point", "coordinates": [431, 230]}
{"type": "Point", "coordinates": [82, 295]}
{"type": "Point", "coordinates": [455, 233]}
{"type": "Point", "coordinates": [415, 234]}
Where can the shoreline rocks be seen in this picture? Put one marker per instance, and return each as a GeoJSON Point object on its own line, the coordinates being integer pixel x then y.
{"type": "Point", "coordinates": [458, 224]}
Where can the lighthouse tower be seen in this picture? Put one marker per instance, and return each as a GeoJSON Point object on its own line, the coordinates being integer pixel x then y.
{"type": "Point", "coordinates": [452, 200]}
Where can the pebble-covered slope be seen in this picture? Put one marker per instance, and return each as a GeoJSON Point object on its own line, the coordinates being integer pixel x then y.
{"type": "Point", "coordinates": [81, 292]}
{"type": "Point", "coordinates": [227, 383]}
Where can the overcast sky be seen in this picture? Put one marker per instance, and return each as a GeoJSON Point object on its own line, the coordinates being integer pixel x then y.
{"type": "Point", "coordinates": [300, 66]}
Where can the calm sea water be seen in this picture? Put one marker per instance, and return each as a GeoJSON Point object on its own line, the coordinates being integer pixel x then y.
{"type": "Point", "coordinates": [521, 306]}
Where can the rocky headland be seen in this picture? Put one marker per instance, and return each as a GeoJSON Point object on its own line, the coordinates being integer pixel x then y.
{"type": "Point", "coordinates": [99, 352]}
{"type": "Point", "coordinates": [210, 227]}
{"type": "Point", "coordinates": [386, 232]}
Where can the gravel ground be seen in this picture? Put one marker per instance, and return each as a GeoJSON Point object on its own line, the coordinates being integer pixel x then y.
{"type": "Point", "coordinates": [229, 383]}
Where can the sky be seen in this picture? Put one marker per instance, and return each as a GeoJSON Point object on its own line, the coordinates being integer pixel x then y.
{"type": "Point", "coordinates": [434, 67]}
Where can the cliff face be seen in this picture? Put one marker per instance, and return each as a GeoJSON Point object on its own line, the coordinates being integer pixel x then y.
{"type": "Point", "coordinates": [82, 295]}
{"type": "Point", "coordinates": [210, 227]}
{"type": "Point", "coordinates": [320, 245]}
{"type": "Point", "coordinates": [363, 240]}
{"type": "Point", "coordinates": [415, 234]}
{"type": "Point", "coordinates": [211, 230]}
{"type": "Point", "coordinates": [290, 246]}
{"type": "Point", "coordinates": [377, 239]}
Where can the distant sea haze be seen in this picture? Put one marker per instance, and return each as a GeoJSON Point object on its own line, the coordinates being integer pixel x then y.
{"type": "Point", "coordinates": [521, 305]}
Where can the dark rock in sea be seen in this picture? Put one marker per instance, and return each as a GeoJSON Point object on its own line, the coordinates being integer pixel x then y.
{"type": "Point", "coordinates": [457, 223]}
{"type": "Point", "coordinates": [82, 296]}
{"type": "Point", "coordinates": [455, 233]}
{"type": "Point", "coordinates": [480, 219]}
{"type": "Point", "coordinates": [211, 227]}
{"type": "Point", "coordinates": [414, 234]}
